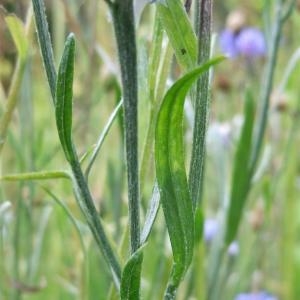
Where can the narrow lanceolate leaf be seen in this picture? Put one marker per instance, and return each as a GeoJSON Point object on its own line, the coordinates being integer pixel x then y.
{"type": "Point", "coordinates": [171, 175]}
{"type": "Point", "coordinates": [18, 32]}
{"type": "Point", "coordinates": [36, 176]}
{"type": "Point", "coordinates": [151, 214]}
{"type": "Point", "coordinates": [64, 96]}
{"type": "Point", "coordinates": [241, 177]}
{"type": "Point", "coordinates": [45, 43]}
{"type": "Point", "coordinates": [131, 277]}
{"type": "Point", "coordinates": [178, 27]}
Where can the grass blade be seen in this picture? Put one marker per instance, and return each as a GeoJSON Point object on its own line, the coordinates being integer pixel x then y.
{"type": "Point", "coordinates": [171, 175]}
{"type": "Point", "coordinates": [102, 137]}
{"type": "Point", "coordinates": [36, 176]}
{"type": "Point", "coordinates": [241, 177]}
{"type": "Point", "coordinates": [69, 215]}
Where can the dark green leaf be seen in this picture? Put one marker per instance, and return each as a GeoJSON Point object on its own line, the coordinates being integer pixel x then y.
{"type": "Point", "coordinates": [131, 277]}
{"type": "Point", "coordinates": [64, 97]}
{"type": "Point", "coordinates": [171, 174]}
{"type": "Point", "coordinates": [199, 224]}
{"type": "Point", "coordinates": [241, 176]}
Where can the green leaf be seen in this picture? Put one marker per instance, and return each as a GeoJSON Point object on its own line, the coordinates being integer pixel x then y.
{"type": "Point", "coordinates": [102, 137]}
{"type": "Point", "coordinates": [199, 224]}
{"type": "Point", "coordinates": [178, 27]}
{"type": "Point", "coordinates": [171, 174]}
{"type": "Point", "coordinates": [69, 215]}
{"type": "Point", "coordinates": [64, 97]}
{"type": "Point", "coordinates": [45, 43]}
{"type": "Point", "coordinates": [18, 32]}
{"type": "Point", "coordinates": [36, 176]}
{"type": "Point", "coordinates": [131, 277]}
{"type": "Point", "coordinates": [241, 176]}
{"type": "Point", "coordinates": [151, 214]}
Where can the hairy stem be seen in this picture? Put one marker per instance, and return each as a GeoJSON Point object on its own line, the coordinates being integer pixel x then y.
{"type": "Point", "coordinates": [203, 23]}
{"type": "Point", "coordinates": [123, 19]}
{"type": "Point", "coordinates": [45, 43]}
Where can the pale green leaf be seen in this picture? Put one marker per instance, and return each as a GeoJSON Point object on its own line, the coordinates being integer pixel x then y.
{"type": "Point", "coordinates": [17, 30]}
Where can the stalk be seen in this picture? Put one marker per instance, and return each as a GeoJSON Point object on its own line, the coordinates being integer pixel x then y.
{"type": "Point", "coordinates": [87, 206]}
{"type": "Point", "coordinates": [123, 20]}
{"type": "Point", "coordinates": [267, 85]}
{"type": "Point", "coordinates": [203, 28]}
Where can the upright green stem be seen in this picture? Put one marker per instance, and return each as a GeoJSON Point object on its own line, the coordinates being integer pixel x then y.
{"type": "Point", "coordinates": [203, 27]}
{"type": "Point", "coordinates": [267, 85]}
{"type": "Point", "coordinates": [123, 19]}
{"type": "Point", "coordinates": [87, 206]}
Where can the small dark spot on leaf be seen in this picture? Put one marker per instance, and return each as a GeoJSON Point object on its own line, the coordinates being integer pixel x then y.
{"type": "Point", "coordinates": [183, 51]}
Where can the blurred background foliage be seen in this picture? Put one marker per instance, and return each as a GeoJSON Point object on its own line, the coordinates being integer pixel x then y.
{"type": "Point", "coordinates": [42, 256]}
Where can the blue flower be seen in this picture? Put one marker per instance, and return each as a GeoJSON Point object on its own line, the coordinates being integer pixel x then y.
{"type": "Point", "coordinates": [248, 42]}
{"type": "Point", "coordinates": [255, 296]}
{"type": "Point", "coordinates": [227, 43]}
{"type": "Point", "coordinates": [211, 228]}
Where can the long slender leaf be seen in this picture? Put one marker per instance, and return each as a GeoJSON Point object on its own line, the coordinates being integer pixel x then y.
{"type": "Point", "coordinates": [180, 32]}
{"type": "Point", "coordinates": [63, 114]}
{"type": "Point", "coordinates": [45, 43]}
{"type": "Point", "coordinates": [69, 215]}
{"type": "Point", "coordinates": [241, 176]}
{"type": "Point", "coordinates": [171, 175]}
{"type": "Point", "coordinates": [64, 98]}
{"type": "Point", "coordinates": [151, 214]}
{"type": "Point", "coordinates": [131, 277]}
{"type": "Point", "coordinates": [102, 137]}
{"type": "Point", "coordinates": [36, 176]}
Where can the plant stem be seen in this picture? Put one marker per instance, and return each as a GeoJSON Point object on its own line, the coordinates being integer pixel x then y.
{"type": "Point", "coordinates": [88, 208]}
{"type": "Point", "coordinates": [123, 19]}
{"type": "Point", "coordinates": [203, 27]}
{"type": "Point", "coordinates": [267, 86]}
